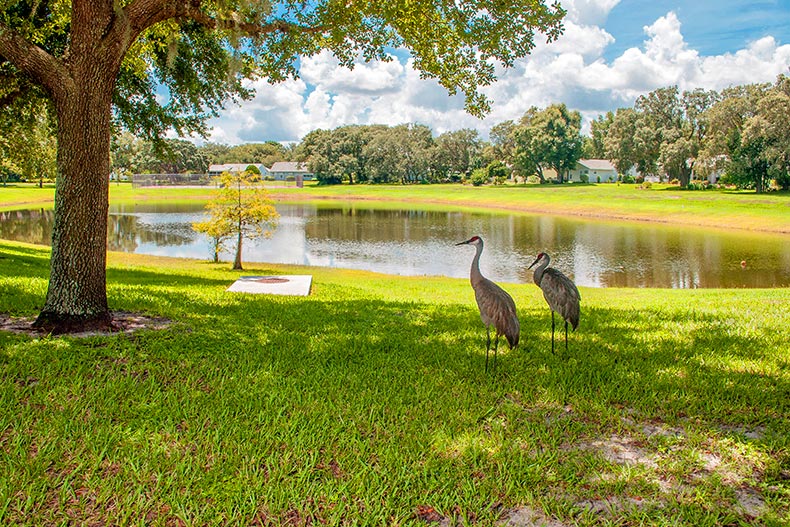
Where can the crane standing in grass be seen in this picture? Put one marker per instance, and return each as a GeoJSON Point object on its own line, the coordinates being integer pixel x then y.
{"type": "Point", "coordinates": [497, 307]}
{"type": "Point", "coordinates": [560, 293]}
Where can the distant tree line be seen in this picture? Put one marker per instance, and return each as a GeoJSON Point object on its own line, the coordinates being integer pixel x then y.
{"type": "Point", "coordinates": [131, 155]}
{"type": "Point", "coordinates": [741, 133]}
{"type": "Point", "coordinates": [407, 153]}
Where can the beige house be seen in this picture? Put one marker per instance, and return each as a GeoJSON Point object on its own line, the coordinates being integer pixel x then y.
{"type": "Point", "coordinates": [596, 170]}
{"type": "Point", "coordinates": [282, 170]}
{"type": "Point", "coordinates": [215, 170]}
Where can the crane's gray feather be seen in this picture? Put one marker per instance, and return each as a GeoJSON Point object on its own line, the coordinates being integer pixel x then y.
{"type": "Point", "coordinates": [561, 294]}
{"type": "Point", "coordinates": [497, 309]}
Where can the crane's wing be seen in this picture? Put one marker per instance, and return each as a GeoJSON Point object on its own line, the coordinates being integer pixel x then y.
{"type": "Point", "coordinates": [497, 308]}
{"type": "Point", "coordinates": [562, 295]}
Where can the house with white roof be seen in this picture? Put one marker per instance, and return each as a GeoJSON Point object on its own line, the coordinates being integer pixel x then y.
{"type": "Point", "coordinates": [282, 170]}
{"type": "Point", "coordinates": [215, 170]}
{"type": "Point", "coordinates": [596, 170]}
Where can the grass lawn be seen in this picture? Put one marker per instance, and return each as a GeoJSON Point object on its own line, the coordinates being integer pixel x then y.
{"type": "Point", "coordinates": [711, 208]}
{"type": "Point", "coordinates": [366, 403]}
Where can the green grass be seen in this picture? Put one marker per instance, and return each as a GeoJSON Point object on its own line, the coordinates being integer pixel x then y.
{"type": "Point", "coordinates": [366, 403]}
{"type": "Point", "coordinates": [722, 209]}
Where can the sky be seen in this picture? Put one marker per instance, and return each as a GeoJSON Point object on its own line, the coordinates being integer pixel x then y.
{"type": "Point", "coordinates": [611, 52]}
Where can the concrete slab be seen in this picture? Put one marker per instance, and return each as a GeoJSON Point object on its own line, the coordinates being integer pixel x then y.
{"type": "Point", "coordinates": [297, 285]}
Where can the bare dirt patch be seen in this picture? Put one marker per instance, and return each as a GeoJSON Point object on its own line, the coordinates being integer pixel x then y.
{"type": "Point", "coordinates": [124, 322]}
{"type": "Point", "coordinates": [529, 517]}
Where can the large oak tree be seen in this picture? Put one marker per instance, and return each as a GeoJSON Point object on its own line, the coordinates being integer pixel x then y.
{"type": "Point", "coordinates": [102, 62]}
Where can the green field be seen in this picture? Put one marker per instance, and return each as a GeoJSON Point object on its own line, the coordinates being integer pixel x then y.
{"type": "Point", "coordinates": [722, 209]}
{"type": "Point", "coordinates": [366, 403]}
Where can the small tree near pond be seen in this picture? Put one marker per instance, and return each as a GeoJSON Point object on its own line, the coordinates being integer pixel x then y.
{"type": "Point", "coordinates": [241, 209]}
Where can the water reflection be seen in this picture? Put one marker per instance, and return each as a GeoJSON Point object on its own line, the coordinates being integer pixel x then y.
{"type": "Point", "coordinates": [595, 253]}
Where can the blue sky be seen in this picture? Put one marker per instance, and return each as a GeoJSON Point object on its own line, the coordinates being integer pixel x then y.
{"type": "Point", "coordinates": [611, 52]}
{"type": "Point", "coordinates": [710, 27]}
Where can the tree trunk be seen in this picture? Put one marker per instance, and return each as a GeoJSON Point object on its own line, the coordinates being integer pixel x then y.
{"type": "Point", "coordinates": [237, 260]}
{"type": "Point", "coordinates": [77, 294]}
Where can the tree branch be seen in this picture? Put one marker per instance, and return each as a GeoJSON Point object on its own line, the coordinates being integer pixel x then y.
{"type": "Point", "coordinates": [30, 59]}
{"type": "Point", "coordinates": [143, 14]}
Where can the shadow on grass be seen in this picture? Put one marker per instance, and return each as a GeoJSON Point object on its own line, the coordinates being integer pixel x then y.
{"type": "Point", "coordinates": [677, 363]}
{"type": "Point", "coordinates": [349, 394]}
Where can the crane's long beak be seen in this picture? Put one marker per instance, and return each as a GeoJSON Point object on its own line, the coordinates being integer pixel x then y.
{"type": "Point", "coordinates": [533, 263]}
{"type": "Point", "coordinates": [463, 243]}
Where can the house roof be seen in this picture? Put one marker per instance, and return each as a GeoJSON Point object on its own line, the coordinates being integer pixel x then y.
{"type": "Point", "coordinates": [289, 166]}
{"type": "Point", "coordinates": [237, 167]}
{"type": "Point", "coordinates": [597, 164]}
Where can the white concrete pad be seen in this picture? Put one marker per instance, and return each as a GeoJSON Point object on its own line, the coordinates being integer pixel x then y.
{"type": "Point", "coordinates": [297, 285]}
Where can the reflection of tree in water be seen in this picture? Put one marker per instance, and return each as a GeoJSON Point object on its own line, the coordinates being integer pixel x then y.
{"type": "Point", "coordinates": [595, 253]}
{"type": "Point", "coordinates": [30, 226]}
{"type": "Point", "coordinates": [124, 232]}
{"type": "Point", "coordinates": [386, 226]}
{"type": "Point", "coordinates": [127, 232]}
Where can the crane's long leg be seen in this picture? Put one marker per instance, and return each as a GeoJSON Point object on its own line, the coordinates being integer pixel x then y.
{"type": "Point", "coordinates": [488, 344]}
{"type": "Point", "coordinates": [552, 331]}
{"type": "Point", "coordinates": [496, 345]}
{"type": "Point", "coordinates": [566, 336]}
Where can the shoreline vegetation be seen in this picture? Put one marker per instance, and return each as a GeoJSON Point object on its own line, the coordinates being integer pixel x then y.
{"type": "Point", "coordinates": [719, 209]}
{"type": "Point", "coordinates": [366, 403]}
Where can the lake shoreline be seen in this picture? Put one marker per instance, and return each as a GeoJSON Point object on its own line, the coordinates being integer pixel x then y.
{"type": "Point", "coordinates": [664, 204]}
{"type": "Point", "coordinates": [535, 210]}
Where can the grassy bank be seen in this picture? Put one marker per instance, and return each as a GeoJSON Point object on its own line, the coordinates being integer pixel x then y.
{"type": "Point", "coordinates": [366, 404]}
{"type": "Point", "coordinates": [711, 208]}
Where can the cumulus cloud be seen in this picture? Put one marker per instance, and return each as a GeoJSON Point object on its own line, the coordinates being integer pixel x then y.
{"type": "Point", "coordinates": [588, 12]}
{"type": "Point", "coordinates": [572, 70]}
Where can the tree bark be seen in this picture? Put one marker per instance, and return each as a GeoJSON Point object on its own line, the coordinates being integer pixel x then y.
{"type": "Point", "coordinates": [237, 261]}
{"type": "Point", "coordinates": [77, 293]}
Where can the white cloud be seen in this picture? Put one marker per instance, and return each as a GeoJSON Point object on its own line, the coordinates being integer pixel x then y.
{"type": "Point", "coordinates": [572, 70]}
{"type": "Point", "coordinates": [588, 12]}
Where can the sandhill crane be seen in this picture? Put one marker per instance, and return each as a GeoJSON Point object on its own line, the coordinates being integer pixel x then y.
{"type": "Point", "coordinates": [560, 293]}
{"type": "Point", "coordinates": [497, 308]}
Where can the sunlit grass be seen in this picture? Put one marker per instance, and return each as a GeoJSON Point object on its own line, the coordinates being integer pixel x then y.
{"type": "Point", "coordinates": [366, 403]}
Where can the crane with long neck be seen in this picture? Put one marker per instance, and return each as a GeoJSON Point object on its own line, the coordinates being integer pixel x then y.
{"type": "Point", "coordinates": [560, 293]}
{"type": "Point", "coordinates": [496, 306]}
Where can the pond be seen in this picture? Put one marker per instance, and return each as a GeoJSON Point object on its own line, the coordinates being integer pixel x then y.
{"type": "Point", "coordinates": [593, 252]}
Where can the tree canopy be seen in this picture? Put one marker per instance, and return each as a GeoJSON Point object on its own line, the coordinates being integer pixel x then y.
{"type": "Point", "coordinates": [241, 208]}
{"type": "Point", "coordinates": [102, 63]}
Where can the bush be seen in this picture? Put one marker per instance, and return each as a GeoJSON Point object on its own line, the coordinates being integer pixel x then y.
{"type": "Point", "coordinates": [533, 180]}
{"type": "Point", "coordinates": [585, 178]}
{"type": "Point", "coordinates": [645, 185]}
{"type": "Point", "coordinates": [639, 179]}
{"type": "Point", "coordinates": [479, 177]}
{"type": "Point", "coordinates": [698, 184]}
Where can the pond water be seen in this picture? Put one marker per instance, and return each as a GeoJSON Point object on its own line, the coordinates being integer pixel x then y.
{"type": "Point", "coordinates": [419, 242]}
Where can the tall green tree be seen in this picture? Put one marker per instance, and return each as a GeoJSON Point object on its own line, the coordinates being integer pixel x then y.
{"type": "Point", "coordinates": [100, 62]}
{"type": "Point", "coordinates": [550, 138]}
{"type": "Point", "coordinates": [455, 154]}
{"type": "Point", "coordinates": [594, 147]}
{"type": "Point", "coordinates": [266, 153]}
{"type": "Point", "coordinates": [620, 145]}
{"type": "Point", "coordinates": [747, 137]}
{"type": "Point", "coordinates": [400, 154]}
{"type": "Point", "coordinates": [241, 209]}
{"type": "Point", "coordinates": [27, 139]}
{"type": "Point", "coordinates": [670, 131]}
